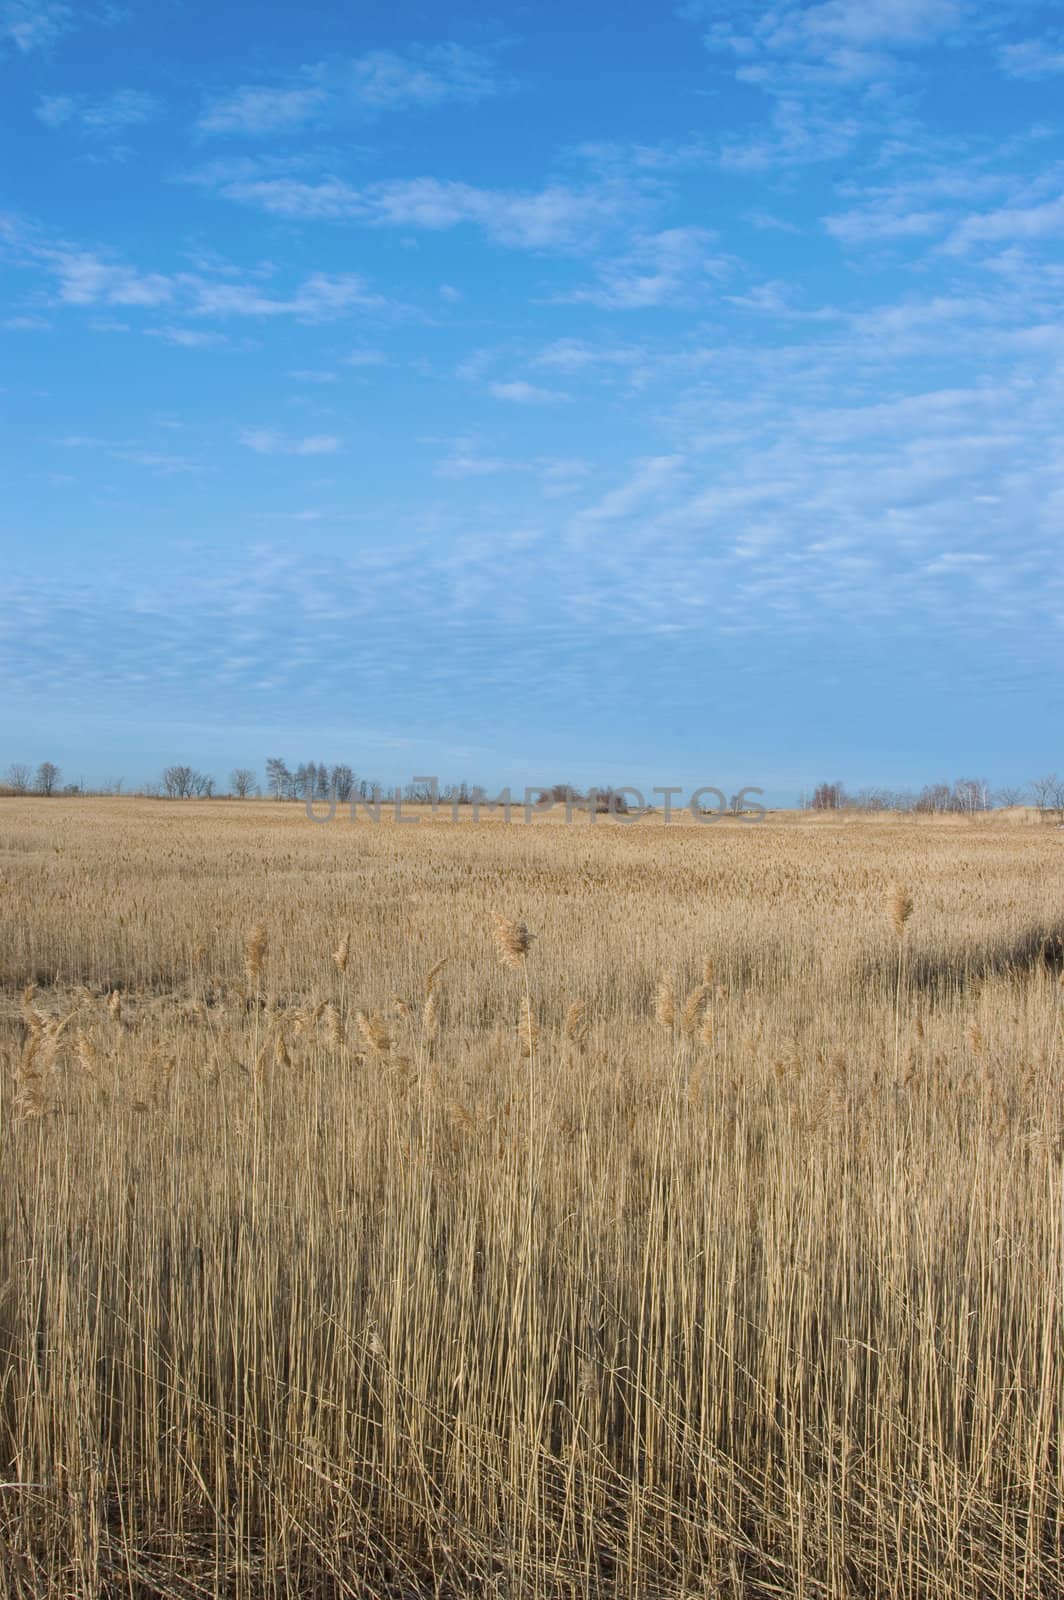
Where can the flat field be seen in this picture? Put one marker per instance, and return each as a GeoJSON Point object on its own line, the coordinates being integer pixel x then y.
{"type": "Point", "coordinates": [708, 1244]}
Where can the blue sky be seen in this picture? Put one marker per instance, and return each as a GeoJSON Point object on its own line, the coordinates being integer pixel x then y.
{"type": "Point", "coordinates": [640, 393]}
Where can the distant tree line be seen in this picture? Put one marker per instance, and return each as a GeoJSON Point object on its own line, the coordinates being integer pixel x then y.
{"type": "Point", "coordinates": [322, 780]}
{"type": "Point", "coordinates": [963, 796]}
{"type": "Point", "coordinates": [45, 780]}
{"type": "Point", "coordinates": [314, 780]}
{"type": "Point", "coordinates": [185, 783]}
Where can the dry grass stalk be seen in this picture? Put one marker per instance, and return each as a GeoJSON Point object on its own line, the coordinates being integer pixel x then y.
{"type": "Point", "coordinates": [527, 1028]}
{"type": "Point", "coordinates": [342, 954]}
{"type": "Point", "coordinates": [460, 1117]}
{"type": "Point", "coordinates": [255, 953]}
{"type": "Point", "coordinates": [665, 1001]}
{"type": "Point", "coordinates": [588, 1386]}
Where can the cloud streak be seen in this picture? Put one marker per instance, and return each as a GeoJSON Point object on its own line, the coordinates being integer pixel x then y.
{"type": "Point", "coordinates": [268, 442]}
{"type": "Point", "coordinates": [557, 216]}
{"type": "Point", "coordinates": [367, 87]}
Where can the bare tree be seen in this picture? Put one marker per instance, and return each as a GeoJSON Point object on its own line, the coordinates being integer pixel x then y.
{"type": "Point", "coordinates": [971, 794]}
{"type": "Point", "coordinates": [278, 778]}
{"type": "Point", "coordinates": [178, 782]}
{"type": "Point", "coordinates": [18, 777]}
{"type": "Point", "coordinates": [936, 797]}
{"type": "Point", "coordinates": [343, 781]}
{"type": "Point", "coordinates": [1047, 791]}
{"type": "Point", "coordinates": [47, 779]}
{"type": "Point", "coordinates": [243, 782]}
{"type": "Point", "coordinates": [829, 796]}
{"type": "Point", "coordinates": [182, 783]}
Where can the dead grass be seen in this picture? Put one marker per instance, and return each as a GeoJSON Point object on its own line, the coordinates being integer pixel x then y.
{"type": "Point", "coordinates": [330, 1269]}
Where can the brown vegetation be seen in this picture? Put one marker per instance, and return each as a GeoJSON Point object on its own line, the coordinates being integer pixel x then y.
{"type": "Point", "coordinates": [709, 1242]}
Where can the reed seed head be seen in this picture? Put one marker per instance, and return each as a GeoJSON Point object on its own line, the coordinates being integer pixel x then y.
{"type": "Point", "coordinates": [577, 1025]}
{"type": "Point", "coordinates": [900, 907]}
{"type": "Point", "coordinates": [973, 1034]}
{"type": "Point", "coordinates": [334, 1031]}
{"type": "Point", "coordinates": [86, 1052]}
{"type": "Point", "coordinates": [374, 1031]}
{"type": "Point", "coordinates": [433, 975]}
{"type": "Point", "coordinates": [512, 939]}
{"type": "Point", "coordinates": [693, 1005]}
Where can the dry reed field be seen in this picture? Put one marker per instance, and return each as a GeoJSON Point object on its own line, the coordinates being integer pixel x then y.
{"type": "Point", "coordinates": [472, 1210]}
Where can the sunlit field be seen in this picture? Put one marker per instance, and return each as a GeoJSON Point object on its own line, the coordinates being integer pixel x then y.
{"type": "Point", "coordinates": [482, 1210]}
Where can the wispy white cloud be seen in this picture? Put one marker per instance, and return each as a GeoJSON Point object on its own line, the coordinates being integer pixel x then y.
{"type": "Point", "coordinates": [768, 222]}
{"type": "Point", "coordinates": [321, 297]}
{"type": "Point", "coordinates": [522, 393]}
{"type": "Point", "coordinates": [367, 86]}
{"type": "Point", "coordinates": [835, 73]}
{"type": "Point", "coordinates": [560, 476]}
{"type": "Point", "coordinates": [30, 25]}
{"type": "Point", "coordinates": [113, 113]}
{"type": "Point", "coordinates": [268, 442]}
{"type": "Point", "coordinates": [650, 479]}
{"type": "Point", "coordinates": [797, 135]}
{"type": "Point", "coordinates": [1033, 58]}
{"type": "Point", "coordinates": [661, 269]}
{"type": "Point", "coordinates": [161, 462]}
{"type": "Point", "coordinates": [557, 216]}
{"type": "Point", "coordinates": [953, 208]}
{"type": "Point", "coordinates": [882, 224]}
{"type": "Point", "coordinates": [34, 24]}
{"type": "Point", "coordinates": [187, 338]}
{"type": "Point", "coordinates": [1008, 223]}
{"type": "Point", "coordinates": [253, 111]}
{"type": "Point", "coordinates": [465, 459]}
{"type": "Point", "coordinates": [28, 323]}
{"type": "Point", "coordinates": [841, 41]}
{"type": "Point", "coordinates": [86, 279]}
{"type": "Point", "coordinates": [576, 355]}
{"type": "Point", "coordinates": [89, 278]}
{"type": "Point", "coordinates": [384, 80]}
